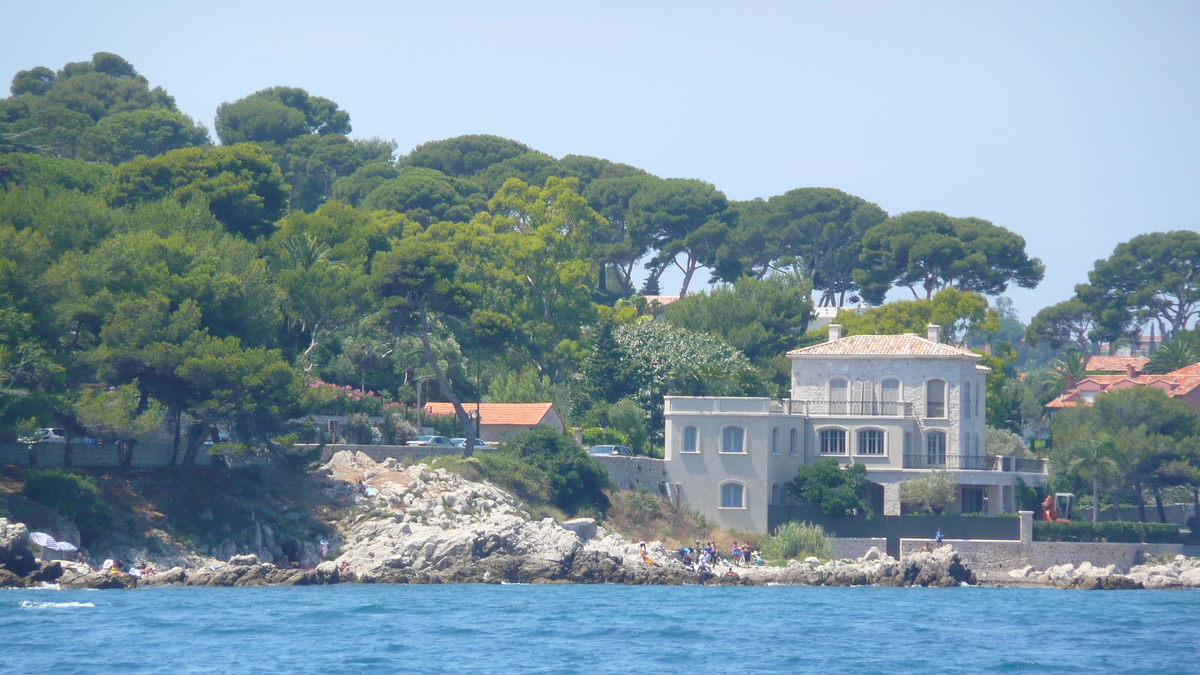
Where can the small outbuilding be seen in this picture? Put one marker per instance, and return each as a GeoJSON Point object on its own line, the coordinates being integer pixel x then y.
{"type": "Point", "coordinates": [501, 421]}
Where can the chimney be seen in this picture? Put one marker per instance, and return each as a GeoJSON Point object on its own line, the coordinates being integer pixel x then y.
{"type": "Point", "coordinates": [933, 333]}
{"type": "Point", "coordinates": [1131, 370]}
{"type": "Point", "coordinates": [835, 332]}
{"type": "Point", "coordinates": [1068, 382]}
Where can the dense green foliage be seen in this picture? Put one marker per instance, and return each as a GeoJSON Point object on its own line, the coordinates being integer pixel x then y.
{"type": "Point", "coordinates": [1112, 532]}
{"type": "Point", "coordinates": [836, 490]}
{"type": "Point", "coordinates": [292, 269]}
{"type": "Point", "coordinates": [547, 466]}
{"type": "Point", "coordinates": [74, 496]}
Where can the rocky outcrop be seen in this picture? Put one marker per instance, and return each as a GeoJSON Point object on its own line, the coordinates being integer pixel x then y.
{"type": "Point", "coordinates": [943, 567]}
{"type": "Point", "coordinates": [16, 559]}
{"type": "Point", "coordinates": [1182, 572]}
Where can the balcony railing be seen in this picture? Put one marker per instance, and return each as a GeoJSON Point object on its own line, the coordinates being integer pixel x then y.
{"type": "Point", "coordinates": [974, 463]}
{"type": "Point", "coordinates": [848, 408]}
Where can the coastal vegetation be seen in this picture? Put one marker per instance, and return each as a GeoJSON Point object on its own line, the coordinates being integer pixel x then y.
{"type": "Point", "coordinates": [797, 541]}
{"type": "Point", "coordinates": [154, 275]}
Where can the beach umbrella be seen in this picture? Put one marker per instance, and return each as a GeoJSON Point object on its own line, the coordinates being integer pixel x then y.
{"type": "Point", "coordinates": [63, 546]}
{"type": "Point", "coordinates": [42, 539]}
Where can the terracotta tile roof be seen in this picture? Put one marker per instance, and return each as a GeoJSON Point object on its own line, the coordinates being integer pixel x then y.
{"type": "Point", "coordinates": [883, 345]}
{"type": "Point", "coordinates": [1176, 383]}
{"type": "Point", "coordinates": [1115, 363]}
{"type": "Point", "coordinates": [516, 414]}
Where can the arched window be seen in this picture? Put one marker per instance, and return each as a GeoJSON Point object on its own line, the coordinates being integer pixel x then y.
{"type": "Point", "coordinates": [775, 450]}
{"type": "Point", "coordinates": [794, 442]}
{"type": "Point", "coordinates": [833, 442]}
{"type": "Point", "coordinates": [870, 442]}
{"type": "Point", "coordinates": [935, 398]}
{"type": "Point", "coordinates": [731, 440]}
{"type": "Point", "coordinates": [775, 501]}
{"type": "Point", "coordinates": [935, 448]}
{"type": "Point", "coordinates": [967, 407]}
{"type": "Point", "coordinates": [839, 395]}
{"type": "Point", "coordinates": [890, 397]}
{"type": "Point", "coordinates": [731, 496]}
{"type": "Point", "coordinates": [689, 439]}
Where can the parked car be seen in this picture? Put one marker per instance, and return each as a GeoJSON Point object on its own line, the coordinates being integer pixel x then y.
{"type": "Point", "coordinates": [609, 450]}
{"type": "Point", "coordinates": [431, 442]}
{"type": "Point", "coordinates": [462, 442]}
{"type": "Point", "coordinates": [222, 435]}
{"type": "Point", "coordinates": [46, 436]}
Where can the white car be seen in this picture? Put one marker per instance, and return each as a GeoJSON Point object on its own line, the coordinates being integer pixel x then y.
{"type": "Point", "coordinates": [462, 442]}
{"type": "Point", "coordinates": [47, 436]}
{"type": "Point", "coordinates": [431, 442]}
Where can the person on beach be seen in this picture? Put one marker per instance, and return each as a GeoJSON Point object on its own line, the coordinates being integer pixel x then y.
{"type": "Point", "coordinates": [746, 554]}
{"type": "Point", "coordinates": [736, 554]}
{"type": "Point", "coordinates": [938, 537]}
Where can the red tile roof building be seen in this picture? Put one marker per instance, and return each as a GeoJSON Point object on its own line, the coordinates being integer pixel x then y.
{"type": "Point", "coordinates": [498, 421]}
{"type": "Point", "coordinates": [1183, 384]}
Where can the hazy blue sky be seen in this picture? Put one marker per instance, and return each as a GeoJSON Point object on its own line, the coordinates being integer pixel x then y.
{"type": "Point", "coordinates": [1074, 124]}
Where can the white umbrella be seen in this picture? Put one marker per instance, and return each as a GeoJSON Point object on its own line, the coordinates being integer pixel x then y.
{"type": "Point", "coordinates": [64, 546]}
{"type": "Point", "coordinates": [42, 539]}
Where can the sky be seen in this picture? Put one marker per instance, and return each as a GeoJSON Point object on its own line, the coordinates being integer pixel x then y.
{"type": "Point", "coordinates": [1073, 124]}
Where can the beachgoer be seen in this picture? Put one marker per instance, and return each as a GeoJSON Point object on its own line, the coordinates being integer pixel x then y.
{"type": "Point", "coordinates": [323, 547]}
{"type": "Point", "coordinates": [938, 537]}
{"type": "Point", "coordinates": [736, 554]}
{"type": "Point", "coordinates": [926, 549]}
{"type": "Point", "coordinates": [746, 555]}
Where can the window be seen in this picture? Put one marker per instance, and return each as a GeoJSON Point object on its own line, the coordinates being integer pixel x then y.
{"type": "Point", "coordinates": [935, 448]}
{"type": "Point", "coordinates": [833, 442]}
{"type": "Point", "coordinates": [775, 450]}
{"type": "Point", "coordinates": [731, 496]}
{"type": "Point", "coordinates": [870, 442]}
{"type": "Point", "coordinates": [974, 499]}
{"type": "Point", "coordinates": [935, 398]}
{"type": "Point", "coordinates": [839, 394]}
{"type": "Point", "coordinates": [731, 440]}
{"type": "Point", "coordinates": [967, 407]}
{"type": "Point", "coordinates": [794, 442]}
{"type": "Point", "coordinates": [689, 439]}
{"type": "Point", "coordinates": [890, 391]}
{"type": "Point", "coordinates": [978, 404]}
{"type": "Point", "coordinates": [775, 500]}
{"type": "Point", "coordinates": [908, 443]}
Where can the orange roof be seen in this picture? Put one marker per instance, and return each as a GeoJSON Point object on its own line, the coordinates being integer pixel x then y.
{"type": "Point", "coordinates": [1115, 363]}
{"type": "Point", "coordinates": [1176, 383]}
{"type": "Point", "coordinates": [883, 345]}
{"type": "Point", "coordinates": [516, 414]}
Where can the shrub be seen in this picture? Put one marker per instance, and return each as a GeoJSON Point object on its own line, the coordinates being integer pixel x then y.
{"type": "Point", "coordinates": [575, 480]}
{"type": "Point", "coordinates": [837, 490]}
{"type": "Point", "coordinates": [1112, 532]}
{"type": "Point", "coordinates": [75, 497]}
{"type": "Point", "coordinates": [930, 493]}
{"type": "Point", "coordinates": [796, 541]}
{"type": "Point", "coordinates": [603, 436]}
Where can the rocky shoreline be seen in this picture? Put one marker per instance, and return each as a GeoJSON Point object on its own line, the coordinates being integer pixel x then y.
{"type": "Point", "coordinates": [423, 526]}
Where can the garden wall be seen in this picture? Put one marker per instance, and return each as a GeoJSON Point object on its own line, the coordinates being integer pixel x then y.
{"type": "Point", "coordinates": [631, 473]}
{"type": "Point", "coordinates": [1000, 556]}
{"type": "Point", "coordinates": [92, 456]}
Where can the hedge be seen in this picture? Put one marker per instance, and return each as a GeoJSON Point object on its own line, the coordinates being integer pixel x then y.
{"type": "Point", "coordinates": [1112, 532]}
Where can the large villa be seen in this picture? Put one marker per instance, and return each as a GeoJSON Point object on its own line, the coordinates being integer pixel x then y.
{"type": "Point", "coordinates": [902, 405]}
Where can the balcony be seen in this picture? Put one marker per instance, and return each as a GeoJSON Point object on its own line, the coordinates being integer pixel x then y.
{"type": "Point", "coordinates": [975, 463]}
{"type": "Point", "coordinates": [846, 408]}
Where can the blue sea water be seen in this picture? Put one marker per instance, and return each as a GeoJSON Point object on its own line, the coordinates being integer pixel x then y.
{"type": "Point", "coordinates": [597, 629]}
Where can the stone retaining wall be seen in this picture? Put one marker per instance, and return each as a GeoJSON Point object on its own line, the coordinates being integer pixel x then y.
{"type": "Point", "coordinates": [92, 456]}
{"type": "Point", "coordinates": [1176, 513]}
{"type": "Point", "coordinates": [856, 547]}
{"type": "Point", "coordinates": [400, 453]}
{"type": "Point", "coordinates": [631, 473]}
{"type": "Point", "coordinates": [997, 555]}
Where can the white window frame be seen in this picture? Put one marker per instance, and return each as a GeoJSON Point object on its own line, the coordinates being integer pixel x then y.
{"type": "Point", "coordinates": [929, 401]}
{"type": "Point", "coordinates": [741, 440]}
{"type": "Point", "coordinates": [930, 454]}
{"type": "Point", "coordinates": [821, 442]}
{"type": "Point", "coordinates": [695, 440]}
{"type": "Point", "coordinates": [859, 442]}
{"type": "Point", "coordinates": [775, 441]}
{"type": "Point", "coordinates": [721, 495]}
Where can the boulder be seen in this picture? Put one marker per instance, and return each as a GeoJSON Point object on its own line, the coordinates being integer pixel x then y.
{"type": "Point", "coordinates": [15, 555]}
{"type": "Point", "coordinates": [242, 560]}
{"type": "Point", "coordinates": [585, 528]}
{"type": "Point", "coordinates": [48, 572]}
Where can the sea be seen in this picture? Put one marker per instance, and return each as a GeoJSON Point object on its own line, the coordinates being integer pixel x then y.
{"type": "Point", "coordinates": [510, 629]}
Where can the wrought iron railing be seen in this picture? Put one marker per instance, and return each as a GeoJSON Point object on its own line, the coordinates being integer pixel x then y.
{"type": "Point", "coordinates": [973, 463]}
{"type": "Point", "coordinates": [849, 408]}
